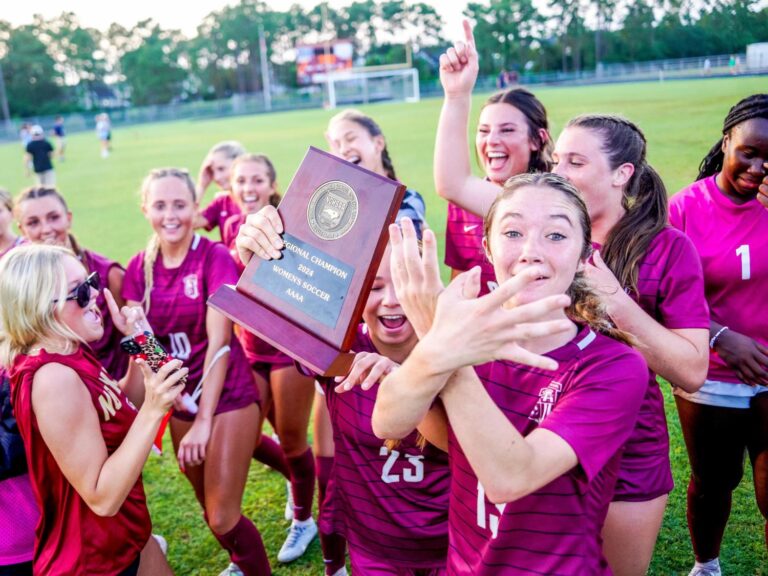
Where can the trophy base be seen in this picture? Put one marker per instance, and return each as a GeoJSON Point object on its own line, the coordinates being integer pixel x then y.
{"type": "Point", "coordinates": [305, 348]}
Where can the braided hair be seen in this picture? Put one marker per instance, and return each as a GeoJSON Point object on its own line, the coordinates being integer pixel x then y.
{"type": "Point", "coordinates": [644, 199]}
{"type": "Point", "coordinates": [536, 118]}
{"type": "Point", "coordinates": [373, 129]}
{"type": "Point", "coordinates": [755, 106]}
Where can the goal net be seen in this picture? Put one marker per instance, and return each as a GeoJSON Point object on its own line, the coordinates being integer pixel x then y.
{"type": "Point", "coordinates": [350, 87]}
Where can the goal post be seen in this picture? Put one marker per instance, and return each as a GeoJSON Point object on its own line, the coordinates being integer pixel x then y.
{"type": "Point", "coordinates": [363, 87]}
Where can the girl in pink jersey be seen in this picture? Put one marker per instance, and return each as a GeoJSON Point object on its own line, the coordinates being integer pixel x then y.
{"type": "Point", "coordinates": [512, 138]}
{"type": "Point", "coordinates": [44, 218]}
{"type": "Point", "coordinates": [534, 437]}
{"type": "Point", "coordinates": [172, 280]}
{"type": "Point", "coordinates": [217, 168]}
{"type": "Point", "coordinates": [85, 442]}
{"type": "Point", "coordinates": [649, 279]}
{"type": "Point", "coordinates": [390, 503]}
{"type": "Point", "coordinates": [283, 389]}
{"type": "Point", "coordinates": [723, 215]}
{"type": "Point", "coordinates": [18, 511]}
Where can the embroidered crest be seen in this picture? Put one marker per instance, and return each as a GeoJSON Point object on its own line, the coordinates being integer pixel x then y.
{"type": "Point", "coordinates": [547, 398]}
{"type": "Point", "coordinates": [190, 287]}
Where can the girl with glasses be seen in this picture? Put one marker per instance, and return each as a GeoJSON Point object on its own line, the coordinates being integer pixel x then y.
{"type": "Point", "coordinates": [85, 441]}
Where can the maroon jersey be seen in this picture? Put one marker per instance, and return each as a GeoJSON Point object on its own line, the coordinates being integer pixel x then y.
{"type": "Point", "coordinates": [392, 505]}
{"type": "Point", "coordinates": [107, 348]}
{"type": "Point", "coordinates": [464, 246]}
{"type": "Point", "coordinates": [70, 538]}
{"type": "Point", "coordinates": [221, 207]}
{"type": "Point", "coordinates": [177, 315]}
{"type": "Point", "coordinates": [670, 287]}
{"type": "Point", "coordinates": [591, 402]}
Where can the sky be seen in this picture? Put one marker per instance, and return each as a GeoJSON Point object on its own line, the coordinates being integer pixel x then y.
{"type": "Point", "coordinates": [170, 14]}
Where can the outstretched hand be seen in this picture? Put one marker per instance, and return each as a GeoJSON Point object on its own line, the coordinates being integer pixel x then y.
{"type": "Point", "coordinates": [260, 234]}
{"type": "Point", "coordinates": [459, 65]}
{"type": "Point", "coordinates": [367, 369]}
{"type": "Point", "coordinates": [468, 331]}
{"type": "Point", "coordinates": [416, 277]}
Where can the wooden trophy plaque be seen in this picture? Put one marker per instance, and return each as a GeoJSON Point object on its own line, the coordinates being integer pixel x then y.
{"type": "Point", "coordinates": [309, 302]}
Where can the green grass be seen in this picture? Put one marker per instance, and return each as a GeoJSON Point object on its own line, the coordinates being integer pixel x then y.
{"type": "Point", "coordinates": [681, 120]}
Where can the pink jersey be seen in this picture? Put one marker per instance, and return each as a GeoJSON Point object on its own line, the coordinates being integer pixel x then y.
{"type": "Point", "coordinates": [392, 506]}
{"type": "Point", "coordinates": [671, 291]}
{"type": "Point", "coordinates": [591, 401]}
{"type": "Point", "coordinates": [18, 517]}
{"type": "Point", "coordinates": [178, 311]}
{"type": "Point", "coordinates": [732, 241]}
{"type": "Point", "coordinates": [229, 230]}
{"type": "Point", "coordinates": [107, 348]}
{"type": "Point", "coordinates": [71, 539]}
{"type": "Point", "coordinates": [221, 207]}
{"type": "Point", "coordinates": [464, 245]}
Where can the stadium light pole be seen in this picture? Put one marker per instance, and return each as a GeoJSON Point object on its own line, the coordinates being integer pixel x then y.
{"type": "Point", "coordinates": [265, 83]}
{"type": "Point", "coordinates": [4, 104]}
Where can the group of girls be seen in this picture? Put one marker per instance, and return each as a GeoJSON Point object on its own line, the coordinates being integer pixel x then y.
{"type": "Point", "coordinates": [508, 423]}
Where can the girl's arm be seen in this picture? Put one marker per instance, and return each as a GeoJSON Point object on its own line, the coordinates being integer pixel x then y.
{"type": "Point", "coordinates": [454, 180]}
{"type": "Point", "coordinates": [71, 431]}
{"type": "Point", "coordinates": [680, 356]}
{"type": "Point", "coordinates": [193, 447]}
{"type": "Point", "coordinates": [745, 355]}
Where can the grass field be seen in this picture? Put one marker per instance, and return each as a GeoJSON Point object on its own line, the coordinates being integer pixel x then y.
{"type": "Point", "coordinates": [681, 121]}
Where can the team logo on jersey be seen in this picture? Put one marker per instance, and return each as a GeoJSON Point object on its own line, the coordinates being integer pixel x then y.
{"type": "Point", "coordinates": [547, 399]}
{"type": "Point", "coordinates": [332, 210]}
{"type": "Point", "coordinates": [190, 287]}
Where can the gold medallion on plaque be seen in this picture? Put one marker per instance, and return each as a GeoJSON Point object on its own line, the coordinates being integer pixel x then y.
{"type": "Point", "coordinates": [332, 210]}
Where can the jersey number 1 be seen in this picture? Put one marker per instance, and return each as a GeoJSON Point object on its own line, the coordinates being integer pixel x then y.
{"type": "Point", "coordinates": [743, 251]}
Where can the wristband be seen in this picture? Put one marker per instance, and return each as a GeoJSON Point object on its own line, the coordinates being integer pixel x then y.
{"type": "Point", "coordinates": [716, 336]}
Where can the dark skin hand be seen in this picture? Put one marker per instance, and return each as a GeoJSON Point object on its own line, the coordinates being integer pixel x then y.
{"type": "Point", "coordinates": [746, 356]}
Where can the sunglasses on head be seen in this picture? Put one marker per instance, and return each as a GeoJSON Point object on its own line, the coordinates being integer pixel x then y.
{"type": "Point", "coordinates": [82, 292]}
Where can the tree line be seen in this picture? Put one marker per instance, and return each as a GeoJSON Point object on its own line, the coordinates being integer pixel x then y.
{"type": "Point", "coordinates": [59, 65]}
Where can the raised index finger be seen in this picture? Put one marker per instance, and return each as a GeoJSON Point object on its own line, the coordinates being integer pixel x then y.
{"type": "Point", "coordinates": [469, 36]}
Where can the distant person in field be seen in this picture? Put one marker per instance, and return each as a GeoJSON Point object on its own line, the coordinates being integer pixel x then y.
{"type": "Point", "coordinates": [534, 417]}
{"type": "Point", "coordinates": [215, 431]}
{"type": "Point", "coordinates": [725, 213]}
{"type": "Point", "coordinates": [389, 501]}
{"type": "Point", "coordinates": [60, 137]}
{"type": "Point", "coordinates": [43, 217]}
{"type": "Point", "coordinates": [104, 134]}
{"type": "Point", "coordinates": [512, 137]}
{"type": "Point", "coordinates": [85, 441]}
{"type": "Point", "coordinates": [18, 510]}
{"type": "Point", "coordinates": [215, 169]}
{"type": "Point", "coordinates": [25, 138]}
{"type": "Point", "coordinates": [39, 153]}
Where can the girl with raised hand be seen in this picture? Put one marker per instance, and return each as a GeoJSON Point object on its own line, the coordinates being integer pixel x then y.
{"type": "Point", "coordinates": [85, 442]}
{"type": "Point", "coordinates": [282, 386]}
{"type": "Point", "coordinates": [172, 280]}
{"type": "Point", "coordinates": [216, 168]}
{"type": "Point", "coordinates": [534, 431]}
{"type": "Point", "coordinates": [725, 213]}
{"type": "Point", "coordinates": [389, 501]}
{"type": "Point", "coordinates": [649, 279]}
{"type": "Point", "coordinates": [512, 138]}
{"type": "Point", "coordinates": [44, 218]}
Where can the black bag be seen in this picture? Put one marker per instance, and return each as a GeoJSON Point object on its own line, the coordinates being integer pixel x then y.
{"type": "Point", "coordinates": [13, 461]}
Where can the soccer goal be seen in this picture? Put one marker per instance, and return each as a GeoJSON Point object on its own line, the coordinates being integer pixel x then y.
{"type": "Point", "coordinates": [351, 87]}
